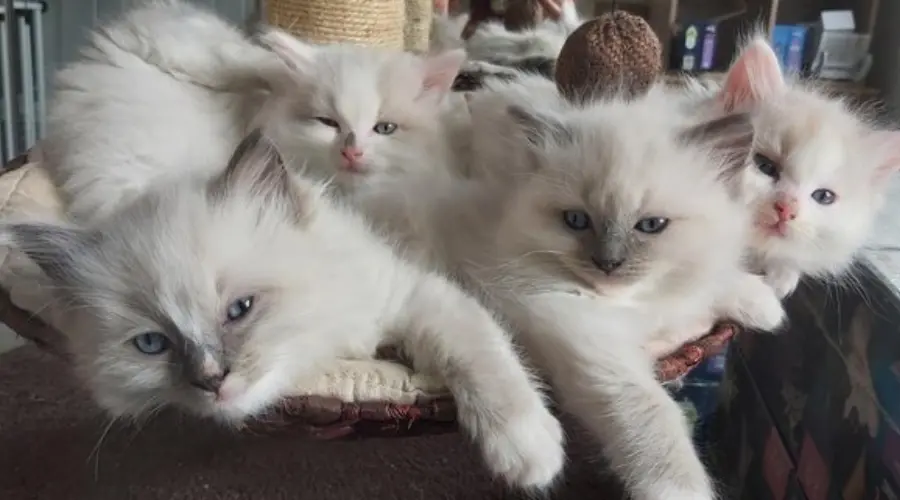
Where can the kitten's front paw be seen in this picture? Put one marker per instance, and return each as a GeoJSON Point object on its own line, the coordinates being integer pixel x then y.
{"type": "Point", "coordinates": [766, 313]}
{"type": "Point", "coordinates": [756, 305]}
{"type": "Point", "coordinates": [783, 282]}
{"type": "Point", "coordinates": [528, 450]}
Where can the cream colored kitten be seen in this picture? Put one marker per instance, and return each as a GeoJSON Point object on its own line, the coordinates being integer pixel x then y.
{"type": "Point", "coordinates": [818, 172]}
{"type": "Point", "coordinates": [359, 116]}
{"type": "Point", "coordinates": [598, 244]}
{"type": "Point", "coordinates": [217, 295]}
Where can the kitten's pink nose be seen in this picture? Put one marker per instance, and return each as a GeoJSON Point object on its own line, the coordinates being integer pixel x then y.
{"type": "Point", "coordinates": [786, 210]}
{"type": "Point", "coordinates": [351, 153]}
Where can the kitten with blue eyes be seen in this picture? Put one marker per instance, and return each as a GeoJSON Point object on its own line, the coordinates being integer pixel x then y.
{"type": "Point", "coordinates": [218, 295]}
{"type": "Point", "coordinates": [818, 172]}
{"type": "Point", "coordinates": [604, 247]}
{"type": "Point", "coordinates": [359, 116]}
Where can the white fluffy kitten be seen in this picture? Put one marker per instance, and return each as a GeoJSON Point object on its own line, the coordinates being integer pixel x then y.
{"type": "Point", "coordinates": [166, 86]}
{"type": "Point", "coordinates": [168, 77]}
{"type": "Point", "coordinates": [217, 295]}
{"type": "Point", "coordinates": [818, 172]}
{"type": "Point", "coordinates": [604, 244]}
{"type": "Point", "coordinates": [359, 116]}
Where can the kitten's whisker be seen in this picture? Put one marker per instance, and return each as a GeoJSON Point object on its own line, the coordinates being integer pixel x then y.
{"type": "Point", "coordinates": [95, 452]}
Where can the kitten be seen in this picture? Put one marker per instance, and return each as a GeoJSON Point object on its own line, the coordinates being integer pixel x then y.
{"type": "Point", "coordinates": [612, 237]}
{"type": "Point", "coordinates": [149, 88]}
{"type": "Point", "coordinates": [216, 295]}
{"type": "Point", "coordinates": [359, 116]}
{"type": "Point", "coordinates": [817, 174]}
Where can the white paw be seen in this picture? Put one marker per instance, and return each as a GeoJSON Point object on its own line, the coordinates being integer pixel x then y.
{"type": "Point", "coordinates": [756, 305]}
{"type": "Point", "coordinates": [784, 283]}
{"type": "Point", "coordinates": [765, 312]}
{"type": "Point", "coordinates": [527, 451]}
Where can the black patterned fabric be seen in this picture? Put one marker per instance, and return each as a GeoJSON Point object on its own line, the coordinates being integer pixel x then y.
{"type": "Point", "coordinates": [812, 413]}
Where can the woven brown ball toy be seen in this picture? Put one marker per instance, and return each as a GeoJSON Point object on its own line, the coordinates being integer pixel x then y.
{"type": "Point", "coordinates": [617, 50]}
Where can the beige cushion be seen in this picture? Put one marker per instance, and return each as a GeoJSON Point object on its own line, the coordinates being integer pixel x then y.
{"type": "Point", "coordinates": [27, 193]}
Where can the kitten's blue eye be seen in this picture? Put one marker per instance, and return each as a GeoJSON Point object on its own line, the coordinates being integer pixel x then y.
{"type": "Point", "coordinates": [328, 122]}
{"type": "Point", "coordinates": [384, 128]}
{"type": "Point", "coordinates": [577, 220]}
{"type": "Point", "coordinates": [824, 196]}
{"type": "Point", "coordinates": [239, 308]}
{"type": "Point", "coordinates": [652, 225]}
{"type": "Point", "coordinates": [151, 343]}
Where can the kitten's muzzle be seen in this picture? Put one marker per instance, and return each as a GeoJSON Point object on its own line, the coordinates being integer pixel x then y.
{"type": "Point", "coordinates": [607, 265]}
{"type": "Point", "coordinates": [610, 246]}
{"type": "Point", "coordinates": [205, 366]}
{"type": "Point", "coordinates": [210, 383]}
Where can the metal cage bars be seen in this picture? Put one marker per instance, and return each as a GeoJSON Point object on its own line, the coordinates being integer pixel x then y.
{"type": "Point", "coordinates": [22, 78]}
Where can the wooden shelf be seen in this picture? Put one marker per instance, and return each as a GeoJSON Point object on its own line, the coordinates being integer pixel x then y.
{"type": "Point", "coordinates": [735, 17]}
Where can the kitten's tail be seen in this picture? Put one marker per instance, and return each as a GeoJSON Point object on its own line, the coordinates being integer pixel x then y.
{"type": "Point", "coordinates": [187, 42]}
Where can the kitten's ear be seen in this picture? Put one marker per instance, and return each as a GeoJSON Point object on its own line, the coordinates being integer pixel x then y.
{"type": "Point", "coordinates": [729, 138]}
{"type": "Point", "coordinates": [887, 143]}
{"type": "Point", "coordinates": [296, 54]}
{"type": "Point", "coordinates": [539, 129]}
{"type": "Point", "coordinates": [55, 249]}
{"type": "Point", "coordinates": [440, 70]}
{"type": "Point", "coordinates": [257, 168]}
{"type": "Point", "coordinates": [729, 132]}
{"type": "Point", "coordinates": [753, 77]}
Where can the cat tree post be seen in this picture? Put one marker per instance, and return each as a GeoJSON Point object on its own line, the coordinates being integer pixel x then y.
{"type": "Point", "coordinates": [417, 28]}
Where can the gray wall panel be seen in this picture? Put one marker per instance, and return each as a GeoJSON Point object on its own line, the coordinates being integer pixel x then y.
{"type": "Point", "coordinates": [67, 22]}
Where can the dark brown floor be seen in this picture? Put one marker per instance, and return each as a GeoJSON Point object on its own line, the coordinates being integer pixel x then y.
{"type": "Point", "coordinates": [48, 430]}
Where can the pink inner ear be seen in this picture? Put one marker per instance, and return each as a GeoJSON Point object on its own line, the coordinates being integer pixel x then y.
{"type": "Point", "coordinates": [887, 142]}
{"type": "Point", "coordinates": [754, 77]}
{"type": "Point", "coordinates": [441, 69]}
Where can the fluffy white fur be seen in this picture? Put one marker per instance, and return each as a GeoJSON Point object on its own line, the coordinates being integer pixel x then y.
{"type": "Point", "coordinates": [195, 85]}
{"type": "Point", "coordinates": [359, 116]}
{"type": "Point", "coordinates": [587, 329]}
{"type": "Point", "coordinates": [315, 285]}
{"type": "Point", "coordinates": [165, 87]}
{"type": "Point", "coordinates": [807, 141]}
{"type": "Point", "coordinates": [499, 152]}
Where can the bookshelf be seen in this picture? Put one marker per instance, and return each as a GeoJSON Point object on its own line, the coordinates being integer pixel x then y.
{"type": "Point", "coordinates": [733, 17]}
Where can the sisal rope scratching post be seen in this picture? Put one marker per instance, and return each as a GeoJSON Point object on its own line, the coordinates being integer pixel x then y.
{"type": "Point", "coordinates": [417, 29]}
{"type": "Point", "coordinates": [373, 23]}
